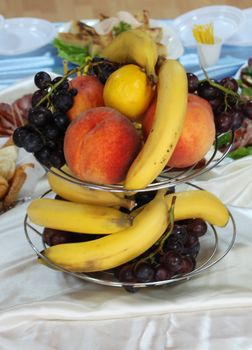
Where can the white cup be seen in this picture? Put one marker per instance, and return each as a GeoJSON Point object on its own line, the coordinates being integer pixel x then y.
{"type": "Point", "coordinates": [209, 54]}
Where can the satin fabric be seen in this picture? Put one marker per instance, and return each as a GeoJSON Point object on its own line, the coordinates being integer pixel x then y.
{"type": "Point", "coordinates": [231, 181]}
{"type": "Point", "coordinates": [44, 309]}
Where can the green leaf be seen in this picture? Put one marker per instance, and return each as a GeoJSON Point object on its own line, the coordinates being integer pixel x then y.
{"type": "Point", "coordinates": [223, 140]}
{"type": "Point", "coordinates": [121, 27]}
{"type": "Point", "coordinates": [246, 91]}
{"type": "Point", "coordinates": [241, 152]}
{"type": "Point", "coordinates": [71, 53]}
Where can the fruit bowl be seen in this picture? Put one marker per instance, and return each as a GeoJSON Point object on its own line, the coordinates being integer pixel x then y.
{"type": "Point", "coordinates": [169, 176]}
{"type": "Point", "coordinates": [214, 246]}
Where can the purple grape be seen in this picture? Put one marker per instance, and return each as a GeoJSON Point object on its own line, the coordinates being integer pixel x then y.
{"type": "Point", "coordinates": [223, 122]}
{"type": "Point", "coordinates": [51, 132]}
{"type": "Point", "coordinates": [61, 120]}
{"type": "Point", "coordinates": [62, 101]}
{"type": "Point", "coordinates": [57, 159]}
{"type": "Point", "coordinates": [42, 80]}
{"type": "Point", "coordinates": [187, 265]}
{"type": "Point", "coordinates": [230, 83]}
{"type": "Point", "coordinates": [217, 104]}
{"type": "Point", "coordinates": [144, 272]}
{"type": "Point", "coordinates": [125, 274]}
{"type": "Point", "coordinates": [193, 82]}
{"type": "Point", "coordinates": [162, 273]}
{"type": "Point", "coordinates": [247, 109]}
{"type": "Point", "coordinates": [37, 96]}
{"type": "Point", "coordinates": [238, 117]}
{"type": "Point", "coordinates": [64, 85]}
{"type": "Point", "coordinates": [19, 135]}
{"type": "Point", "coordinates": [43, 155]}
{"type": "Point", "coordinates": [39, 116]}
{"type": "Point", "coordinates": [207, 91]}
{"type": "Point", "coordinates": [174, 245]}
{"type": "Point", "coordinates": [180, 232]}
{"type": "Point", "coordinates": [32, 142]}
{"type": "Point", "coordinates": [197, 226]}
{"type": "Point", "coordinates": [172, 261]}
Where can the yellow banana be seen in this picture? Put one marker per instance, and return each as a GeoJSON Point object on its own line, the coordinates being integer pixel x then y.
{"type": "Point", "coordinates": [81, 194]}
{"type": "Point", "coordinates": [113, 250]}
{"type": "Point", "coordinates": [133, 46]}
{"type": "Point", "coordinates": [199, 204]}
{"type": "Point", "coordinates": [196, 204]}
{"type": "Point", "coordinates": [167, 126]}
{"type": "Point", "coordinates": [77, 217]}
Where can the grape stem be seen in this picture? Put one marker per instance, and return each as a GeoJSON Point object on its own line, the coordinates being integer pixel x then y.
{"type": "Point", "coordinates": [65, 76]}
{"type": "Point", "coordinates": [160, 243]}
{"type": "Point", "coordinates": [218, 86]}
{"type": "Point", "coordinates": [222, 88]}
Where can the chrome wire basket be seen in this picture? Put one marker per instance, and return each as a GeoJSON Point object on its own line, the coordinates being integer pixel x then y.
{"type": "Point", "coordinates": [215, 245]}
{"type": "Point", "coordinates": [168, 178]}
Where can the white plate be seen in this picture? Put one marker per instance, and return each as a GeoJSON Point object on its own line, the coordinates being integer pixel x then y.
{"type": "Point", "coordinates": [226, 21]}
{"type": "Point", "coordinates": [243, 37]}
{"type": "Point", "coordinates": [170, 38]}
{"type": "Point", "coordinates": [22, 35]}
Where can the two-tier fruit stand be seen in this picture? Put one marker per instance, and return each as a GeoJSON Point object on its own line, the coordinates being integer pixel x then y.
{"type": "Point", "coordinates": [214, 246]}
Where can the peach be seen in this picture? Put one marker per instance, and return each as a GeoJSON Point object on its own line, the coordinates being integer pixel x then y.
{"type": "Point", "coordinates": [197, 136]}
{"type": "Point", "coordinates": [100, 145]}
{"type": "Point", "coordinates": [196, 99]}
{"type": "Point", "coordinates": [90, 94]}
{"type": "Point", "coordinates": [148, 118]}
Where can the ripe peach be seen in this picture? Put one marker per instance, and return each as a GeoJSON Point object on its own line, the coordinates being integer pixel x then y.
{"type": "Point", "coordinates": [90, 94]}
{"type": "Point", "coordinates": [197, 136]}
{"type": "Point", "coordinates": [100, 145]}
{"type": "Point", "coordinates": [196, 99]}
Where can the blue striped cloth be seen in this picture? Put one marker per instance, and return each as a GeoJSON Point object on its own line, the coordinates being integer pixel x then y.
{"type": "Point", "coordinates": [16, 68]}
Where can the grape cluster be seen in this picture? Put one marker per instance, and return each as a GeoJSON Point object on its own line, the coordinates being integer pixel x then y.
{"type": "Point", "coordinates": [53, 237]}
{"type": "Point", "coordinates": [43, 135]}
{"type": "Point", "coordinates": [228, 108]}
{"type": "Point", "coordinates": [102, 68]}
{"type": "Point", "coordinates": [177, 255]}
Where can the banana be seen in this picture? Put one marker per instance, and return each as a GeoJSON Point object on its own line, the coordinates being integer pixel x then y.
{"type": "Point", "coordinates": [199, 204]}
{"type": "Point", "coordinates": [133, 46]}
{"type": "Point", "coordinates": [113, 250]}
{"type": "Point", "coordinates": [167, 126]}
{"type": "Point", "coordinates": [80, 194]}
{"type": "Point", "coordinates": [196, 204]}
{"type": "Point", "coordinates": [77, 217]}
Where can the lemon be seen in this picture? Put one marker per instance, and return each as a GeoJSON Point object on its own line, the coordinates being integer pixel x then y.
{"type": "Point", "coordinates": [129, 91]}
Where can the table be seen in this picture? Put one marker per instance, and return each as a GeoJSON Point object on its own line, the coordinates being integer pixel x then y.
{"type": "Point", "coordinates": [44, 309]}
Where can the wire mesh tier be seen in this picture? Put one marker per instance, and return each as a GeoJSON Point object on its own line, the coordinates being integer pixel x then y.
{"type": "Point", "coordinates": [168, 178]}
{"type": "Point", "coordinates": [214, 246]}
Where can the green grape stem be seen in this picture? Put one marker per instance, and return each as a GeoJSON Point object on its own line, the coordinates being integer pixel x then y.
{"type": "Point", "coordinates": [160, 243]}
{"type": "Point", "coordinates": [227, 91]}
{"type": "Point", "coordinates": [65, 76]}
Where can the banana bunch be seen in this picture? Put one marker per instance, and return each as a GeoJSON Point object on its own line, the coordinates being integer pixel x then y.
{"type": "Point", "coordinates": [167, 126]}
{"type": "Point", "coordinates": [113, 250]}
{"type": "Point", "coordinates": [133, 46]}
{"type": "Point", "coordinates": [77, 217]}
{"type": "Point", "coordinates": [68, 190]}
{"type": "Point", "coordinates": [147, 227]}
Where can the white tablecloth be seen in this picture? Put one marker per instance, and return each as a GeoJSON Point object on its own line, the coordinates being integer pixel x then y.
{"type": "Point", "coordinates": [43, 309]}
